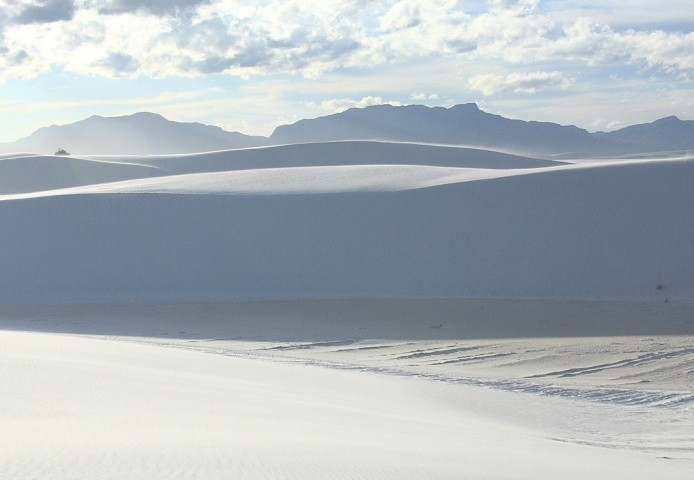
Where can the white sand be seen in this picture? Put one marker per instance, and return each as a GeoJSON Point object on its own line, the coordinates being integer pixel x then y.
{"type": "Point", "coordinates": [88, 408]}
{"type": "Point", "coordinates": [588, 231]}
{"type": "Point", "coordinates": [503, 318]}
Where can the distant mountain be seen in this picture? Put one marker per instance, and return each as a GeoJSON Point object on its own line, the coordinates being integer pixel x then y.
{"type": "Point", "coordinates": [459, 125]}
{"type": "Point", "coordinates": [669, 133]}
{"type": "Point", "coordinates": [468, 125]}
{"type": "Point", "coordinates": [141, 133]}
{"type": "Point", "coordinates": [149, 133]}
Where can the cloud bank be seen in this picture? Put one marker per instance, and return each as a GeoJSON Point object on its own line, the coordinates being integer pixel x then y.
{"type": "Point", "coordinates": [189, 38]}
{"type": "Point", "coordinates": [529, 83]}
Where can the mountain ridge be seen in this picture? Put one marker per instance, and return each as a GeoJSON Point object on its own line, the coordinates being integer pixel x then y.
{"type": "Point", "coordinates": [460, 125]}
{"type": "Point", "coordinates": [463, 124]}
{"type": "Point", "coordinates": [139, 133]}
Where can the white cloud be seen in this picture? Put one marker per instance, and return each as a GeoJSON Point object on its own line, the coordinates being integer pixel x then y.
{"type": "Point", "coordinates": [403, 15]}
{"type": "Point", "coordinates": [516, 7]}
{"type": "Point", "coordinates": [530, 82]}
{"type": "Point", "coordinates": [674, 52]}
{"type": "Point", "coordinates": [311, 37]}
{"type": "Point", "coordinates": [606, 125]}
{"type": "Point", "coordinates": [341, 104]}
{"type": "Point", "coordinates": [595, 44]}
{"type": "Point", "coordinates": [424, 96]}
{"type": "Point", "coordinates": [417, 28]}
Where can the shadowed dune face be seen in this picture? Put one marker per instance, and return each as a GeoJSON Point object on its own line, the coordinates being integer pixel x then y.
{"type": "Point", "coordinates": [331, 322]}
{"type": "Point", "coordinates": [612, 232]}
{"type": "Point", "coordinates": [348, 153]}
{"type": "Point", "coordinates": [27, 174]}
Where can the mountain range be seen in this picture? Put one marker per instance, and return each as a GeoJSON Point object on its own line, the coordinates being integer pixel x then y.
{"type": "Point", "coordinates": [141, 133]}
{"type": "Point", "coordinates": [465, 124]}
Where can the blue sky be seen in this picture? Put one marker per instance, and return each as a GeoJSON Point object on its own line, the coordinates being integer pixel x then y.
{"type": "Point", "coordinates": [250, 66]}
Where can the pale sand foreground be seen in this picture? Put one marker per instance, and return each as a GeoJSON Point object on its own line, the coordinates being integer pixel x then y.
{"type": "Point", "coordinates": [380, 388]}
{"type": "Point", "coordinates": [348, 389]}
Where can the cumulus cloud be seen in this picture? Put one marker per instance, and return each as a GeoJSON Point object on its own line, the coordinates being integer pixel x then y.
{"type": "Point", "coordinates": [341, 104]}
{"type": "Point", "coordinates": [312, 37]}
{"type": "Point", "coordinates": [516, 7]}
{"type": "Point", "coordinates": [530, 83]}
{"type": "Point", "coordinates": [401, 16]}
{"type": "Point", "coordinates": [411, 28]}
{"type": "Point", "coordinates": [605, 125]}
{"type": "Point", "coordinates": [596, 44]}
{"type": "Point", "coordinates": [424, 96]}
{"type": "Point", "coordinates": [274, 37]}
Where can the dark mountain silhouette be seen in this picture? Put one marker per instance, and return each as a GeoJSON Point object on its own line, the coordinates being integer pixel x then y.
{"type": "Point", "coordinates": [141, 133]}
{"type": "Point", "coordinates": [669, 133]}
{"type": "Point", "coordinates": [468, 125]}
{"type": "Point", "coordinates": [459, 125]}
{"type": "Point", "coordinates": [148, 133]}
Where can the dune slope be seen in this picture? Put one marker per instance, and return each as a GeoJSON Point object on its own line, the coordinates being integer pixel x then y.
{"type": "Point", "coordinates": [35, 173]}
{"type": "Point", "coordinates": [619, 231]}
{"type": "Point", "coordinates": [361, 152]}
{"type": "Point", "coordinates": [88, 408]}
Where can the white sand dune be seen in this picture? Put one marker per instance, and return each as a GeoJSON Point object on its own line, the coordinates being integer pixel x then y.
{"type": "Point", "coordinates": [501, 317]}
{"type": "Point", "coordinates": [35, 173]}
{"type": "Point", "coordinates": [4, 156]}
{"type": "Point", "coordinates": [358, 231]}
{"type": "Point", "coordinates": [38, 174]}
{"type": "Point", "coordinates": [641, 349]}
{"type": "Point", "coordinates": [289, 181]}
{"type": "Point", "coordinates": [357, 152]}
{"type": "Point", "coordinates": [235, 396]}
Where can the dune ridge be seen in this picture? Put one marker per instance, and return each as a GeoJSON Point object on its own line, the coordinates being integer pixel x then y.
{"type": "Point", "coordinates": [37, 174]}
{"type": "Point", "coordinates": [346, 229]}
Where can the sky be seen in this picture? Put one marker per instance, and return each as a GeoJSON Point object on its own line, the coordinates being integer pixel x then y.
{"type": "Point", "coordinates": [250, 66]}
